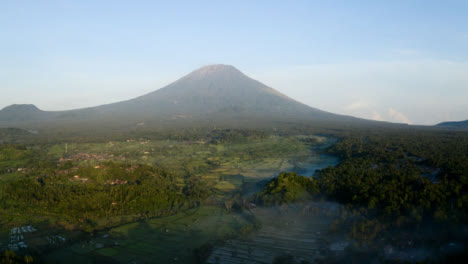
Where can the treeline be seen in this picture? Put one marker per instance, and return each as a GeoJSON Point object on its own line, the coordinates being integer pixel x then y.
{"type": "Point", "coordinates": [234, 135]}
{"type": "Point", "coordinates": [47, 137]}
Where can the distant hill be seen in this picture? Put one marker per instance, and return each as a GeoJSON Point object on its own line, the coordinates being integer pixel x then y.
{"type": "Point", "coordinates": [21, 112]}
{"type": "Point", "coordinates": [454, 124]}
{"type": "Point", "coordinates": [214, 94]}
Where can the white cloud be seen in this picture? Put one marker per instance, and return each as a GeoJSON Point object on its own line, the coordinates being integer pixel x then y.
{"type": "Point", "coordinates": [376, 116]}
{"type": "Point", "coordinates": [398, 116]}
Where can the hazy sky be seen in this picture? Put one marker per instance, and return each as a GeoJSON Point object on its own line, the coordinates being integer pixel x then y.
{"type": "Point", "coordinates": [401, 61]}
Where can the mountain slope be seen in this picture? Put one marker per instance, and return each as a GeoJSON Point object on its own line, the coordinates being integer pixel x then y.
{"type": "Point", "coordinates": [454, 124]}
{"type": "Point", "coordinates": [211, 90]}
{"type": "Point", "coordinates": [215, 92]}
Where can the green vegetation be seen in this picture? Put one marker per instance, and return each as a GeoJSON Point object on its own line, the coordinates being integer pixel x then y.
{"type": "Point", "coordinates": [189, 191]}
{"type": "Point", "coordinates": [174, 239]}
{"type": "Point", "coordinates": [288, 188]}
{"type": "Point", "coordinates": [76, 189]}
{"type": "Point", "coordinates": [118, 190]}
{"type": "Point", "coordinates": [394, 183]}
{"type": "Point", "coordinates": [394, 173]}
{"type": "Point", "coordinates": [400, 173]}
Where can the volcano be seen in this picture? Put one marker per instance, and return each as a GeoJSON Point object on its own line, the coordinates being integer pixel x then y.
{"type": "Point", "coordinates": [215, 93]}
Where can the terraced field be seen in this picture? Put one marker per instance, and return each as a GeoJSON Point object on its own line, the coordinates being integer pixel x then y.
{"type": "Point", "coordinates": [293, 230]}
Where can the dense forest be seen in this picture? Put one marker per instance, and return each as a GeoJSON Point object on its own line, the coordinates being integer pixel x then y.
{"type": "Point", "coordinates": [392, 183]}
{"type": "Point", "coordinates": [119, 190]}
{"type": "Point", "coordinates": [416, 163]}
{"type": "Point", "coordinates": [400, 173]}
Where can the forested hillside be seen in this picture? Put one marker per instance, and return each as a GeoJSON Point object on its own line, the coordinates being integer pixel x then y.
{"type": "Point", "coordinates": [396, 185]}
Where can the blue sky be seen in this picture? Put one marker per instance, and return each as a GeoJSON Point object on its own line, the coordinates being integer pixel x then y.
{"type": "Point", "coordinates": [400, 61]}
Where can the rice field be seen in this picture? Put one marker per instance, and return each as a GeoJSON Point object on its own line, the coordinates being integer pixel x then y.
{"type": "Point", "coordinates": [295, 230]}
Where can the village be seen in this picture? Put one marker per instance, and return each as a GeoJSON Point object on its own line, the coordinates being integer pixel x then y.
{"type": "Point", "coordinates": [22, 237]}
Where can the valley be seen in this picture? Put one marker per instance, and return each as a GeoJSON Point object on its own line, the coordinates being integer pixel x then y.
{"type": "Point", "coordinates": [233, 132]}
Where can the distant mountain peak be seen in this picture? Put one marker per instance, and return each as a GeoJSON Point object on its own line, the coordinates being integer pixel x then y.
{"type": "Point", "coordinates": [214, 70]}
{"type": "Point", "coordinates": [21, 112]}
{"type": "Point", "coordinates": [21, 108]}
